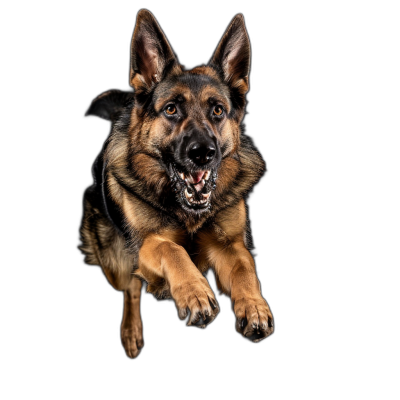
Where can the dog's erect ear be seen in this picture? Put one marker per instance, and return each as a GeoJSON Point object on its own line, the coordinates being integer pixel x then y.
{"type": "Point", "coordinates": [151, 54]}
{"type": "Point", "coordinates": [232, 55]}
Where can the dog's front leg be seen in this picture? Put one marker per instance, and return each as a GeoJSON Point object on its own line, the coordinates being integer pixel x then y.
{"type": "Point", "coordinates": [223, 248]}
{"type": "Point", "coordinates": [236, 273]}
{"type": "Point", "coordinates": [162, 259]}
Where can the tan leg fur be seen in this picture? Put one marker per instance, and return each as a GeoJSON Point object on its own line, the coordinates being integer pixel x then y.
{"type": "Point", "coordinates": [160, 259]}
{"type": "Point", "coordinates": [223, 248]}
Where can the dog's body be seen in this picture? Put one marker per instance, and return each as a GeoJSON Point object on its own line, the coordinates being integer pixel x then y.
{"type": "Point", "coordinates": [168, 199]}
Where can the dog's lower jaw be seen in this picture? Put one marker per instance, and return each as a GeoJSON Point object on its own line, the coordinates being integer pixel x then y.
{"type": "Point", "coordinates": [196, 198]}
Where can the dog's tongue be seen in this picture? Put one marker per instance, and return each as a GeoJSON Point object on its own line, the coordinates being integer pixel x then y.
{"type": "Point", "coordinates": [196, 177]}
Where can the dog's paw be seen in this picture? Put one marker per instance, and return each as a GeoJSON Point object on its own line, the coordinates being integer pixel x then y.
{"type": "Point", "coordinates": [198, 300]}
{"type": "Point", "coordinates": [254, 319]}
{"type": "Point", "coordinates": [132, 340]}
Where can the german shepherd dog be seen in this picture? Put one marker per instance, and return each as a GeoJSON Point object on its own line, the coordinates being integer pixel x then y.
{"type": "Point", "coordinates": [168, 200]}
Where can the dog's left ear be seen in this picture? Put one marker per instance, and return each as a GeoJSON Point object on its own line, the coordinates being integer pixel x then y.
{"type": "Point", "coordinates": [151, 54]}
{"type": "Point", "coordinates": [232, 55]}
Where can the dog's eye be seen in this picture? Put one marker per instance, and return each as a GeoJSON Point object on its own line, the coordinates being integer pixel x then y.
{"type": "Point", "coordinates": [218, 111]}
{"type": "Point", "coordinates": [170, 109]}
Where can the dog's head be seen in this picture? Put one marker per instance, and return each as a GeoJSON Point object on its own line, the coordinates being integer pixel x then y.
{"type": "Point", "coordinates": [187, 121]}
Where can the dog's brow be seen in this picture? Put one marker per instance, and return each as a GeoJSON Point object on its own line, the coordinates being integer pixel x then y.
{"type": "Point", "coordinates": [217, 99]}
{"type": "Point", "coordinates": [176, 96]}
{"type": "Point", "coordinates": [211, 97]}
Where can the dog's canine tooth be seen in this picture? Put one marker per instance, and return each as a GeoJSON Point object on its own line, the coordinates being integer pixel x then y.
{"type": "Point", "coordinates": [188, 195]}
{"type": "Point", "coordinates": [182, 175]}
{"type": "Point", "coordinates": [206, 195]}
{"type": "Point", "coordinates": [207, 175]}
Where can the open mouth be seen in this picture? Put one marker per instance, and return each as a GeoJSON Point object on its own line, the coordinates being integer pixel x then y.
{"type": "Point", "coordinates": [194, 189]}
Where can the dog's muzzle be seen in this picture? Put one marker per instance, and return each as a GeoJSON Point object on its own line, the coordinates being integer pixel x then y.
{"type": "Point", "coordinates": [193, 170]}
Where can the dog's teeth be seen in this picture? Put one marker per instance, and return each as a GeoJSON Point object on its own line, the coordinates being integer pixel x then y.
{"type": "Point", "coordinates": [207, 175]}
{"type": "Point", "coordinates": [188, 195]}
{"type": "Point", "coordinates": [206, 195]}
{"type": "Point", "coordinates": [187, 182]}
{"type": "Point", "coordinates": [182, 175]}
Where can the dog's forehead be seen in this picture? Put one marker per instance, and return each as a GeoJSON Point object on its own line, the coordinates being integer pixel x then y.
{"type": "Point", "coordinates": [191, 86]}
{"type": "Point", "coordinates": [197, 82]}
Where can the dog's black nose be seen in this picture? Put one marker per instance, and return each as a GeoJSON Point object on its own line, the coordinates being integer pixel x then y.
{"type": "Point", "coordinates": [202, 153]}
{"type": "Point", "coordinates": [196, 147]}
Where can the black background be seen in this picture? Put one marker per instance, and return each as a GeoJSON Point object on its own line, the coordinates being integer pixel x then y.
{"type": "Point", "coordinates": [83, 53]}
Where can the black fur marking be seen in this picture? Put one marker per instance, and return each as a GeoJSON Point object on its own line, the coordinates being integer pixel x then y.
{"type": "Point", "coordinates": [101, 195]}
{"type": "Point", "coordinates": [195, 82]}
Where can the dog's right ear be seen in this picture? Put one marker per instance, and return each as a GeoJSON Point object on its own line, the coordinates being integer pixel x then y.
{"type": "Point", "coordinates": [151, 54]}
